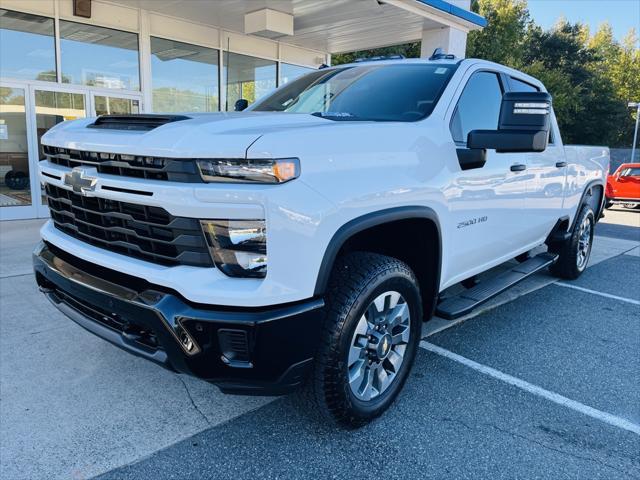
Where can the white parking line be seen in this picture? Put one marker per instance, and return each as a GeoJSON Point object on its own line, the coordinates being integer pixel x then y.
{"type": "Point", "coordinates": [595, 292]}
{"type": "Point", "coordinates": [535, 390]}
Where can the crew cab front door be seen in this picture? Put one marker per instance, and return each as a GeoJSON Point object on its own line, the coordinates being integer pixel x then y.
{"type": "Point", "coordinates": [486, 204]}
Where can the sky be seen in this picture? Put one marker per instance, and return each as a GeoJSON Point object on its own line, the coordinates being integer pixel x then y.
{"type": "Point", "coordinates": [621, 14]}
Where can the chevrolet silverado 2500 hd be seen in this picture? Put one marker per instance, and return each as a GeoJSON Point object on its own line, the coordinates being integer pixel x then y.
{"type": "Point", "coordinates": [303, 241]}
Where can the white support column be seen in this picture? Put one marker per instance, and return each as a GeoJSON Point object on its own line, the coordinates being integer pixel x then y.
{"type": "Point", "coordinates": [145, 61]}
{"type": "Point", "coordinates": [451, 40]}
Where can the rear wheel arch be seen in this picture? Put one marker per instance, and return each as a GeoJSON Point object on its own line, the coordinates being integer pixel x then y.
{"type": "Point", "coordinates": [592, 195]}
{"type": "Point", "coordinates": [411, 234]}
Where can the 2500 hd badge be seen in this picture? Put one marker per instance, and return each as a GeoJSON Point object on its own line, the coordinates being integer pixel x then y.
{"type": "Point", "coordinates": [472, 221]}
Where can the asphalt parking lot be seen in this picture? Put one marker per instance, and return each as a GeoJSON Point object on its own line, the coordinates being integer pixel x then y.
{"type": "Point", "coordinates": [543, 382]}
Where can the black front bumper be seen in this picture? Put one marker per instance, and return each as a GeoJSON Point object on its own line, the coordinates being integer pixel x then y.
{"type": "Point", "coordinates": [263, 351]}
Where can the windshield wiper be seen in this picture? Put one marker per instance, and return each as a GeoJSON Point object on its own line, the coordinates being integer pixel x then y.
{"type": "Point", "coordinates": [337, 116]}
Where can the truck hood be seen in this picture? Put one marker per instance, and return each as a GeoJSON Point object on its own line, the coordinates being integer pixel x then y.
{"type": "Point", "coordinates": [212, 135]}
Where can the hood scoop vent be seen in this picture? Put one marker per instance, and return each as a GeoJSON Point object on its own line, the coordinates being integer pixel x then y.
{"type": "Point", "coordinates": [134, 122]}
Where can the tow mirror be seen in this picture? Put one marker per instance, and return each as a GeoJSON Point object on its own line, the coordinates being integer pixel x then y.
{"type": "Point", "coordinates": [524, 125]}
{"type": "Point", "coordinates": [241, 104]}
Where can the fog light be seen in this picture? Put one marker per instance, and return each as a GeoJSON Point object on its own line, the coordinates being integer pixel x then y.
{"type": "Point", "coordinates": [238, 247]}
{"type": "Point", "coordinates": [187, 343]}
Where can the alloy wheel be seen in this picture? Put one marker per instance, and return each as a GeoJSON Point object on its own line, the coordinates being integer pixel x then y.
{"type": "Point", "coordinates": [584, 243]}
{"type": "Point", "coordinates": [378, 346]}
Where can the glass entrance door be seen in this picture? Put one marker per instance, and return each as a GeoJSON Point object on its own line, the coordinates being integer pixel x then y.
{"type": "Point", "coordinates": [16, 179]}
{"type": "Point", "coordinates": [52, 107]}
{"type": "Point", "coordinates": [27, 112]}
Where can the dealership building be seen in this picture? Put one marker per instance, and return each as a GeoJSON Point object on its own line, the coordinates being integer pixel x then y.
{"type": "Point", "coordinates": [67, 59]}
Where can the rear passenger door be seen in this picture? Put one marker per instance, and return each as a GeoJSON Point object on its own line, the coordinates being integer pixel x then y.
{"type": "Point", "coordinates": [486, 203]}
{"type": "Point", "coordinates": [548, 169]}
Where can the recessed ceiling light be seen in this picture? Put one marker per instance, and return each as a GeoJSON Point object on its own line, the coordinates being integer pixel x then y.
{"type": "Point", "coordinates": [173, 53]}
{"type": "Point", "coordinates": [86, 37]}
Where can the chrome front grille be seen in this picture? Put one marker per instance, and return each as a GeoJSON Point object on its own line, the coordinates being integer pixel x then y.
{"type": "Point", "coordinates": [136, 166]}
{"type": "Point", "coordinates": [140, 231]}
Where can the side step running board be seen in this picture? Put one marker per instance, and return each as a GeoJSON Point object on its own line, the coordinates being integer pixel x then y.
{"type": "Point", "coordinates": [465, 302]}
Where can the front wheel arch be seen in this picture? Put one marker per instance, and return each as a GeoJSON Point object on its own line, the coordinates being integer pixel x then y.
{"type": "Point", "coordinates": [423, 255]}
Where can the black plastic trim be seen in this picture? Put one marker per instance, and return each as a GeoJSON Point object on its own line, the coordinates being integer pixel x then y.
{"type": "Point", "coordinates": [559, 232]}
{"type": "Point", "coordinates": [127, 190]}
{"type": "Point", "coordinates": [369, 220]}
{"type": "Point", "coordinates": [281, 339]}
{"type": "Point", "coordinates": [143, 122]}
{"type": "Point", "coordinates": [587, 190]}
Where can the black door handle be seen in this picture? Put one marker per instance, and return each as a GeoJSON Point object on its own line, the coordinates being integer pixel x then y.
{"type": "Point", "coordinates": [518, 167]}
{"type": "Point", "coordinates": [561, 164]}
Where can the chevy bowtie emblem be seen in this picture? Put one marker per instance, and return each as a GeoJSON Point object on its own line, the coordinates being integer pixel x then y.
{"type": "Point", "coordinates": [81, 183]}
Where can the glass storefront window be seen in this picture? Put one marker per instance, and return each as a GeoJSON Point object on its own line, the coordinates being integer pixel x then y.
{"type": "Point", "coordinates": [247, 77]}
{"type": "Point", "coordinates": [15, 189]}
{"type": "Point", "coordinates": [184, 77]}
{"type": "Point", "coordinates": [98, 56]}
{"type": "Point", "coordinates": [27, 46]}
{"type": "Point", "coordinates": [290, 72]}
{"type": "Point", "coordinates": [115, 105]}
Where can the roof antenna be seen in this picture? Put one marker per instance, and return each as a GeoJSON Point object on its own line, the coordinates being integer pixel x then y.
{"type": "Point", "coordinates": [438, 54]}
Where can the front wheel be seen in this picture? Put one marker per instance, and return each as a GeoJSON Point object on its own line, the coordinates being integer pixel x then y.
{"type": "Point", "coordinates": [574, 254]}
{"type": "Point", "coordinates": [371, 334]}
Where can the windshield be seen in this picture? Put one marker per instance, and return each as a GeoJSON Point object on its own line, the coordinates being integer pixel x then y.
{"type": "Point", "coordinates": [397, 93]}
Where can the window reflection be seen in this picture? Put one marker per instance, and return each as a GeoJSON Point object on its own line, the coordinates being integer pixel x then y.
{"type": "Point", "coordinates": [14, 160]}
{"type": "Point", "coordinates": [290, 72]}
{"type": "Point", "coordinates": [99, 57]}
{"type": "Point", "coordinates": [184, 76]}
{"type": "Point", "coordinates": [116, 106]}
{"type": "Point", "coordinates": [247, 77]}
{"type": "Point", "coordinates": [27, 46]}
{"type": "Point", "coordinates": [51, 109]}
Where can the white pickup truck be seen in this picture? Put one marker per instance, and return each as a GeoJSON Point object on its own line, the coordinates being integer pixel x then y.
{"type": "Point", "coordinates": [303, 241]}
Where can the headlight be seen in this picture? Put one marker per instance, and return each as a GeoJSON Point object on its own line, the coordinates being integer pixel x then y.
{"type": "Point", "coordinates": [249, 171]}
{"type": "Point", "coordinates": [238, 247]}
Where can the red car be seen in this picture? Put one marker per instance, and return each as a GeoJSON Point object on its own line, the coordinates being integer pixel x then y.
{"type": "Point", "coordinates": [623, 186]}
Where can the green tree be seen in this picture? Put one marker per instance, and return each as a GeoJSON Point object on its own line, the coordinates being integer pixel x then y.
{"type": "Point", "coordinates": [408, 50]}
{"type": "Point", "coordinates": [625, 76]}
{"type": "Point", "coordinates": [502, 40]}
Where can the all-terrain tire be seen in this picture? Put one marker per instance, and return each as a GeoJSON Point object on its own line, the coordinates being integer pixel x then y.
{"type": "Point", "coordinates": [358, 279]}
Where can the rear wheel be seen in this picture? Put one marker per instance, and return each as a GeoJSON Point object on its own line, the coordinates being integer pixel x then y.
{"type": "Point", "coordinates": [574, 253]}
{"type": "Point", "coordinates": [371, 335]}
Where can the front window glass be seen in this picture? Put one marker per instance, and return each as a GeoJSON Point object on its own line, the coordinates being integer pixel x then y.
{"type": "Point", "coordinates": [99, 57]}
{"type": "Point", "coordinates": [631, 172]}
{"type": "Point", "coordinates": [184, 76]}
{"type": "Point", "coordinates": [478, 107]}
{"type": "Point", "coordinates": [27, 46]}
{"type": "Point", "coordinates": [247, 77]}
{"type": "Point", "coordinates": [401, 92]}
